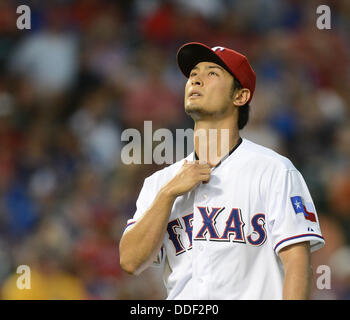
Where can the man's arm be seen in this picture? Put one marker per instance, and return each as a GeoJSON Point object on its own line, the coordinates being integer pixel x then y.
{"type": "Point", "coordinates": [140, 245]}
{"type": "Point", "coordinates": [298, 272]}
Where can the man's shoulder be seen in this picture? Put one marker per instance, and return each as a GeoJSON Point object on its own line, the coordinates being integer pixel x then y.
{"type": "Point", "coordinates": [261, 154]}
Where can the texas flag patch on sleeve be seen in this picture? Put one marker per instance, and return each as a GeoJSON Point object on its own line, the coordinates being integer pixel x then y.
{"type": "Point", "coordinates": [305, 208]}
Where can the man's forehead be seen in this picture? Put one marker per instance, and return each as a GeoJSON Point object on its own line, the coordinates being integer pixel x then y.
{"type": "Point", "coordinates": [207, 65]}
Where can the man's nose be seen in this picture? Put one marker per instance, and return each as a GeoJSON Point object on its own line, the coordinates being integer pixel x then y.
{"type": "Point", "coordinates": [196, 80]}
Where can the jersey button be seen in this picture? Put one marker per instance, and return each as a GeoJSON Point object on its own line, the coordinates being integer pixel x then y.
{"type": "Point", "coordinates": [205, 196]}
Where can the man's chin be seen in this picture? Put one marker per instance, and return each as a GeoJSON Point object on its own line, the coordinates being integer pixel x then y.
{"type": "Point", "coordinates": [193, 111]}
{"type": "Point", "coordinates": [196, 111]}
{"type": "Point", "coordinates": [192, 108]}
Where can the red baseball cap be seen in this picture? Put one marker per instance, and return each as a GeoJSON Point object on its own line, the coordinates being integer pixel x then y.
{"type": "Point", "coordinates": [234, 62]}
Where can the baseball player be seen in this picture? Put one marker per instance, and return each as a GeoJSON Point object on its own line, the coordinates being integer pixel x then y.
{"type": "Point", "coordinates": [224, 224]}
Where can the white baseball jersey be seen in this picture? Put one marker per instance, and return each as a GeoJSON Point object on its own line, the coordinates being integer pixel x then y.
{"type": "Point", "coordinates": [223, 237]}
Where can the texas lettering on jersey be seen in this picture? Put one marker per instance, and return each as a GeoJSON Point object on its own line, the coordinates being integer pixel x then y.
{"type": "Point", "coordinates": [234, 228]}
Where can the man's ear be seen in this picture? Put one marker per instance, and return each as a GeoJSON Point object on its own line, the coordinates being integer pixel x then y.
{"type": "Point", "coordinates": [241, 97]}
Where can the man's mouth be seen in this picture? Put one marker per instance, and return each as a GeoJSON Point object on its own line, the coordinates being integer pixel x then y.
{"type": "Point", "coordinates": [194, 95]}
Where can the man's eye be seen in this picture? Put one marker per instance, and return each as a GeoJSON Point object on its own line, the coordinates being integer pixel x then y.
{"type": "Point", "coordinates": [192, 74]}
{"type": "Point", "coordinates": [211, 73]}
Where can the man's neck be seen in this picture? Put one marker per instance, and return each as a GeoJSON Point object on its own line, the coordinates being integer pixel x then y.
{"type": "Point", "coordinates": [213, 140]}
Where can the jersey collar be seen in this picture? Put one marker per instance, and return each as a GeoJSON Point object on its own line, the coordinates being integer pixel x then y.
{"type": "Point", "coordinates": [226, 156]}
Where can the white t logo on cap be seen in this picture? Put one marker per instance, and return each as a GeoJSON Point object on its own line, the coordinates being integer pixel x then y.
{"type": "Point", "coordinates": [218, 48]}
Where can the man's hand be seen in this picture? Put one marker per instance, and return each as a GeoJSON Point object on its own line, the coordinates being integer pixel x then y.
{"type": "Point", "coordinates": [188, 177]}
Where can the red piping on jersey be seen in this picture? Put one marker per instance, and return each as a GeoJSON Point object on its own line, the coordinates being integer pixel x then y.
{"type": "Point", "coordinates": [296, 237]}
{"type": "Point", "coordinates": [130, 223]}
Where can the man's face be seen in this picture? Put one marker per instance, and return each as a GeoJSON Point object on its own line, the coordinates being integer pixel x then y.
{"type": "Point", "coordinates": [208, 91]}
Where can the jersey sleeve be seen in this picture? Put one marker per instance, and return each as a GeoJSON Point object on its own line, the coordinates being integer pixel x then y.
{"type": "Point", "coordinates": [144, 201]}
{"type": "Point", "coordinates": [292, 216]}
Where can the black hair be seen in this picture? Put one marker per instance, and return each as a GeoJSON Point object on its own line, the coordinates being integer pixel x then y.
{"type": "Point", "coordinates": [243, 111]}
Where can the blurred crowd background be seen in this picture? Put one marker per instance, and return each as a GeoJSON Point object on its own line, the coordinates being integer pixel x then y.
{"type": "Point", "coordinates": [89, 69]}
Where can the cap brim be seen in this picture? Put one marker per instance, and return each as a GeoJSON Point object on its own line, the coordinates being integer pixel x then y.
{"type": "Point", "coordinates": [194, 52]}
